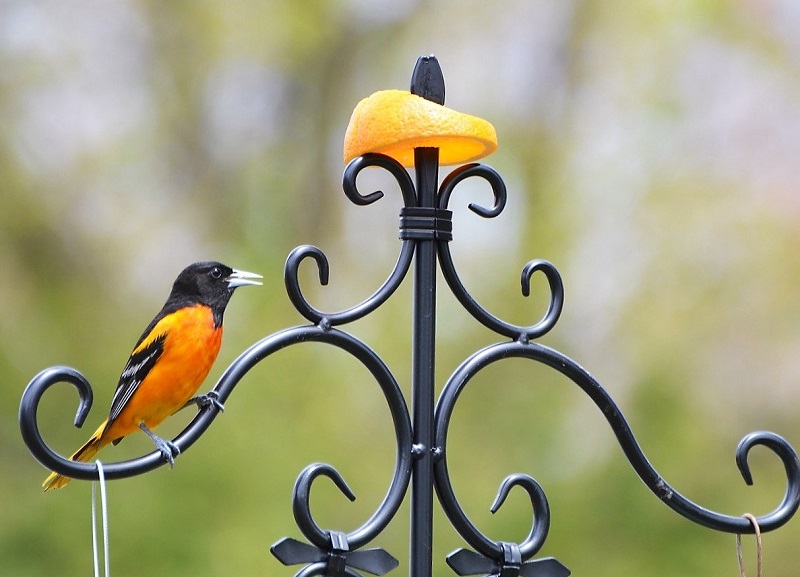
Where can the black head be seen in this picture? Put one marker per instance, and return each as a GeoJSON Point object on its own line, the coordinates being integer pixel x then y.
{"type": "Point", "coordinates": [210, 283]}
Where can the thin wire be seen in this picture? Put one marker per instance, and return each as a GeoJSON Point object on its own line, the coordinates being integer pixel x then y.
{"type": "Point", "coordinates": [103, 504]}
{"type": "Point", "coordinates": [759, 549]}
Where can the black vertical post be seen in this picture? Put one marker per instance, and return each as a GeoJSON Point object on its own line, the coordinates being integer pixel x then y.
{"type": "Point", "coordinates": [423, 372]}
{"type": "Point", "coordinates": [426, 81]}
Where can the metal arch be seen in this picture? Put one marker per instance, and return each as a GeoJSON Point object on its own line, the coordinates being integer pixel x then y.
{"type": "Point", "coordinates": [32, 436]}
{"type": "Point", "coordinates": [633, 452]}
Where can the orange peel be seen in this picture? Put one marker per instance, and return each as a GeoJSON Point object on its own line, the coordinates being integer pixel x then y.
{"type": "Point", "coordinates": [395, 122]}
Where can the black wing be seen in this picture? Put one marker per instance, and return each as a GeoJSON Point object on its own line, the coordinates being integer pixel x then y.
{"type": "Point", "coordinates": [138, 367]}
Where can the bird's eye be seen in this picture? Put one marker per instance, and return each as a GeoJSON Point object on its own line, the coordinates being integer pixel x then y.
{"type": "Point", "coordinates": [216, 273]}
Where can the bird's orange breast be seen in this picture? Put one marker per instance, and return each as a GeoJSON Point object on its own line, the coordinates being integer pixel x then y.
{"type": "Point", "coordinates": [190, 349]}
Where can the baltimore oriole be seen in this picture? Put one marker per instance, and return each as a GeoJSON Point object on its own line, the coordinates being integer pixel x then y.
{"type": "Point", "coordinates": [170, 360]}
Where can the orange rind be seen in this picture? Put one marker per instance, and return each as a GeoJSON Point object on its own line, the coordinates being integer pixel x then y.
{"type": "Point", "coordinates": [395, 122]}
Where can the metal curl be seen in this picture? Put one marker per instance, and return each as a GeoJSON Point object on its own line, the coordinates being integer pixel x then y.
{"type": "Point", "coordinates": [487, 173]}
{"type": "Point", "coordinates": [788, 456]}
{"type": "Point", "coordinates": [291, 279]}
{"type": "Point", "coordinates": [396, 169]}
{"type": "Point", "coordinates": [316, 316]}
{"type": "Point", "coordinates": [301, 501]}
{"type": "Point", "coordinates": [570, 369]}
{"type": "Point", "coordinates": [29, 427]}
{"type": "Point", "coordinates": [291, 269]}
{"type": "Point", "coordinates": [450, 273]}
{"type": "Point", "coordinates": [541, 522]}
{"type": "Point", "coordinates": [774, 442]}
{"type": "Point", "coordinates": [556, 295]}
{"type": "Point", "coordinates": [501, 553]}
{"type": "Point", "coordinates": [525, 333]}
{"type": "Point", "coordinates": [28, 416]}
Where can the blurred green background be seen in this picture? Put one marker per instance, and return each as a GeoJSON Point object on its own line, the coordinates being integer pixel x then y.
{"type": "Point", "coordinates": [650, 150]}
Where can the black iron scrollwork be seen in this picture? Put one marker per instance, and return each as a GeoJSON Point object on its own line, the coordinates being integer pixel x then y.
{"type": "Point", "coordinates": [458, 289]}
{"type": "Point", "coordinates": [29, 427]}
{"type": "Point", "coordinates": [492, 557]}
{"type": "Point", "coordinates": [330, 552]}
{"type": "Point", "coordinates": [501, 558]}
{"type": "Point", "coordinates": [303, 252]}
{"type": "Point", "coordinates": [425, 231]}
{"type": "Point", "coordinates": [566, 366]}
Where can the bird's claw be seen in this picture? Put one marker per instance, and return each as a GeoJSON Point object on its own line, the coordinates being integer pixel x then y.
{"type": "Point", "coordinates": [168, 449]}
{"type": "Point", "coordinates": [210, 399]}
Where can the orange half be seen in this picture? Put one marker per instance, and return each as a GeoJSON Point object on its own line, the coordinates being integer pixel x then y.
{"type": "Point", "coordinates": [395, 122]}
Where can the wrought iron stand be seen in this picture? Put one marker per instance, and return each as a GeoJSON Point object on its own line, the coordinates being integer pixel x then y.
{"type": "Point", "coordinates": [421, 435]}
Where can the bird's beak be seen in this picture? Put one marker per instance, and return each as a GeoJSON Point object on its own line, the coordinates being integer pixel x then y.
{"type": "Point", "coordinates": [242, 278]}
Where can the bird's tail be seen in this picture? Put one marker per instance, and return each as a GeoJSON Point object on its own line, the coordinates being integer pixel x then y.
{"type": "Point", "coordinates": [85, 454]}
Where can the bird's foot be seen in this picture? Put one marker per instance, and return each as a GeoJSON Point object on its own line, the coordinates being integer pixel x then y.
{"type": "Point", "coordinates": [169, 450]}
{"type": "Point", "coordinates": [210, 399]}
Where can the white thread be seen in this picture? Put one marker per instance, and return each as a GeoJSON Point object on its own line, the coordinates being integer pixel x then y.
{"type": "Point", "coordinates": [759, 549]}
{"type": "Point", "coordinates": [104, 507]}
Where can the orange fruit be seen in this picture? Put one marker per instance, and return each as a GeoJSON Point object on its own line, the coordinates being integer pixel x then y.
{"type": "Point", "coordinates": [395, 122]}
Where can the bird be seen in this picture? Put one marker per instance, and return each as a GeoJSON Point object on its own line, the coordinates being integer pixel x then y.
{"type": "Point", "coordinates": [169, 362]}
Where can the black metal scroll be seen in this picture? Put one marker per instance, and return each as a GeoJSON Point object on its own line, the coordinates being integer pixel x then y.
{"type": "Point", "coordinates": [421, 433]}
